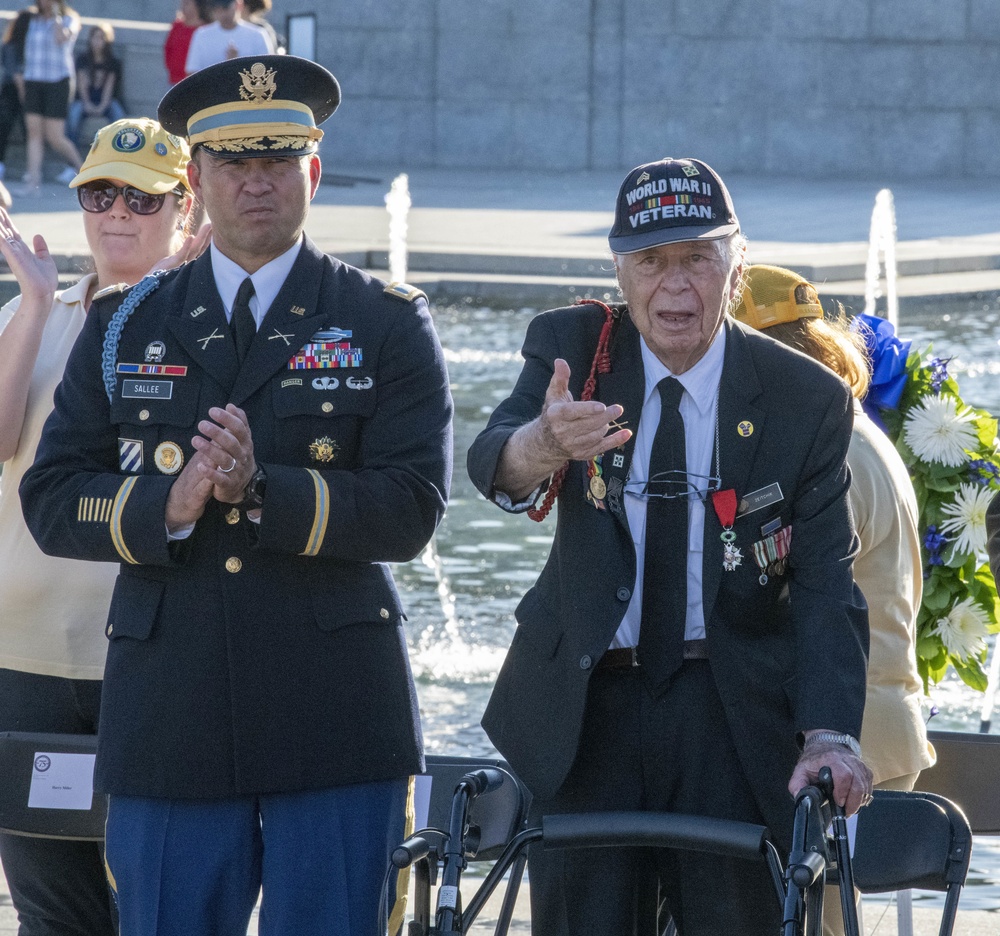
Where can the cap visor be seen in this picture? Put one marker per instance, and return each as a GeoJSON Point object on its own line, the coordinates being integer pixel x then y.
{"type": "Point", "coordinates": [153, 182]}
{"type": "Point", "coordinates": [632, 243]}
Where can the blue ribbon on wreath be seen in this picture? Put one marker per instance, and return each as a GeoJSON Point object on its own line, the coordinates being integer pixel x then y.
{"type": "Point", "coordinates": [888, 355]}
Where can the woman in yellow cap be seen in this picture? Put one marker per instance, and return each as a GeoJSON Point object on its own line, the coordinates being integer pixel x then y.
{"type": "Point", "coordinates": [136, 203]}
{"type": "Point", "coordinates": [888, 568]}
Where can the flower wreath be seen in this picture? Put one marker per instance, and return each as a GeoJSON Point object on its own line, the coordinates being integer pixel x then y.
{"type": "Point", "coordinates": [952, 454]}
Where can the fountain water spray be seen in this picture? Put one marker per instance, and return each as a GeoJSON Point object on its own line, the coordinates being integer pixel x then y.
{"type": "Point", "coordinates": [882, 244]}
{"type": "Point", "coordinates": [397, 203]}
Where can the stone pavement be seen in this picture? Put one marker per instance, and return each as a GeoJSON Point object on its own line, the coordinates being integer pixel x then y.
{"type": "Point", "coordinates": [537, 239]}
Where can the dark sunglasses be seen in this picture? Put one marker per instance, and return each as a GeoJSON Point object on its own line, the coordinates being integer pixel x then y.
{"type": "Point", "coordinates": [98, 196]}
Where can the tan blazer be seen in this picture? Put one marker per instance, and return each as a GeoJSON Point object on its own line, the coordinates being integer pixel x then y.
{"type": "Point", "coordinates": [890, 573]}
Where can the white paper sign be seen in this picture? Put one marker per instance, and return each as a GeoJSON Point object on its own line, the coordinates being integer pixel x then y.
{"type": "Point", "coordinates": [61, 781]}
{"type": "Point", "coordinates": [422, 799]}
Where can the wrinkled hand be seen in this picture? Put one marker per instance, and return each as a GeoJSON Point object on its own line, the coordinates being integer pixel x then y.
{"type": "Point", "coordinates": [193, 247]}
{"type": "Point", "coordinates": [36, 271]}
{"type": "Point", "coordinates": [852, 778]}
{"type": "Point", "coordinates": [577, 429]}
{"type": "Point", "coordinates": [226, 443]}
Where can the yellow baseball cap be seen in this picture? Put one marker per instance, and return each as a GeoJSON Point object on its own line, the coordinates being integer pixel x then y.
{"type": "Point", "coordinates": [773, 295]}
{"type": "Point", "coordinates": [139, 152]}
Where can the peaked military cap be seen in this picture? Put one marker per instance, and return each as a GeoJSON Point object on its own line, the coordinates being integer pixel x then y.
{"type": "Point", "coordinates": [263, 105]}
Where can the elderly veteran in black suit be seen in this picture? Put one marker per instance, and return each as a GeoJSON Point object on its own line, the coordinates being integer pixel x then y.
{"type": "Point", "coordinates": [253, 437]}
{"type": "Point", "coordinates": [695, 642]}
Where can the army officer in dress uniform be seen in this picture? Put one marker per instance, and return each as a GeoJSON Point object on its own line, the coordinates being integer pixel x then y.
{"type": "Point", "coordinates": [253, 437]}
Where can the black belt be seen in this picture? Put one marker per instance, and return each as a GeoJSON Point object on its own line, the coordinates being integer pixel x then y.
{"type": "Point", "coordinates": [628, 657]}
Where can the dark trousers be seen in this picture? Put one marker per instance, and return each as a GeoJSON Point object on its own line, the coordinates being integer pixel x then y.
{"type": "Point", "coordinates": [10, 115]}
{"type": "Point", "coordinates": [673, 754]}
{"type": "Point", "coordinates": [58, 887]}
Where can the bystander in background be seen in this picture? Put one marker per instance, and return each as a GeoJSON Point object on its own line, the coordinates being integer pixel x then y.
{"type": "Point", "coordinates": [230, 36]}
{"type": "Point", "coordinates": [98, 83]}
{"type": "Point", "coordinates": [134, 195]}
{"type": "Point", "coordinates": [888, 569]}
{"type": "Point", "coordinates": [48, 86]}
{"type": "Point", "coordinates": [11, 88]}
{"type": "Point", "coordinates": [256, 13]}
{"type": "Point", "coordinates": [191, 15]}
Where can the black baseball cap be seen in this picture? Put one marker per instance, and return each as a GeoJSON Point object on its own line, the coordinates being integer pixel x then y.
{"type": "Point", "coordinates": [669, 201]}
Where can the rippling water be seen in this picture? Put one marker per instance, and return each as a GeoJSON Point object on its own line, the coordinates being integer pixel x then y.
{"type": "Point", "coordinates": [461, 598]}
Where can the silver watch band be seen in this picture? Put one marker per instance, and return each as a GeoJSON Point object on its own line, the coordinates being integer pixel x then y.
{"type": "Point", "coordinates": [834, 737]}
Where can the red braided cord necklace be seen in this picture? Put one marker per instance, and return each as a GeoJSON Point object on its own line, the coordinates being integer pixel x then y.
{"type": "Point", "coordinates": [600, 365]}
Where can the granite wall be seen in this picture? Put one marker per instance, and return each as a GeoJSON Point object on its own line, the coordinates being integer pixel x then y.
{"type": "Point", "coordinates": [872, 88]}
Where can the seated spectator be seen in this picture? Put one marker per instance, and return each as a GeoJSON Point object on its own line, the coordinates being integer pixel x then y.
{"type": "Point", "coordinates": [230, 36]}
{"type": "Point", "coordinates": [98, 83]}
{"type": "Point", "coordinates": [191, 15]}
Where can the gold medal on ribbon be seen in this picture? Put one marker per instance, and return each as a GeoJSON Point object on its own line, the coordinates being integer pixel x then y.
{"type": "Point", "coordinates": [598, 488]}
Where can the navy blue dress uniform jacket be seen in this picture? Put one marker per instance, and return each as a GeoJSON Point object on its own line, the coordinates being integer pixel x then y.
{"type": "Point", "coordinates": [786, 655]}
{"type": "Point", "coordinates": [254, 658]}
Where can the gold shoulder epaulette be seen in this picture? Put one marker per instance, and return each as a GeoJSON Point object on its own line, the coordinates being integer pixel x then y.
{"type": "Point", "coordinates": [404, 291]}
{"type": "Point", "coordinates": [110, 290]}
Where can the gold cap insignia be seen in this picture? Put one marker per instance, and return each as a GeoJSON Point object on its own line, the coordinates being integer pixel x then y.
{"type": "Point", "coordinates": [258, 83]}
{"type": "Point", "coordinates": [168, 457]}
{"type": "Point", "coordinates": [324, 449]}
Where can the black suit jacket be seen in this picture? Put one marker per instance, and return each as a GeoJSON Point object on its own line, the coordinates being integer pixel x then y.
{"type": "Point", "coordinates": [254, 658]}
{"type": "Point", "coordinates": [786, 656]}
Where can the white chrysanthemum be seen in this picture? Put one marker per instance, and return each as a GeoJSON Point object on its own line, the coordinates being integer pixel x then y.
{"type": "Point", "coordinates": [967, 513]}
{"type": "Point", "coordinates": [963, 630]}
{"type": "Point", "coordinates": [938, 431]}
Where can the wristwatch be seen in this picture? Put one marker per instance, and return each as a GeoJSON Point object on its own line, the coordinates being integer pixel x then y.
{"type": "Point", "coordinates": [253, 493]}
{"type": "Point", "coordinates": [833, 737]}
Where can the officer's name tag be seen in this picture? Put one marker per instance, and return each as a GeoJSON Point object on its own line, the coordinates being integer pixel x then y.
{"type": "Point", "coordinates": [148, 389]}
{"type": "Point", "coordinates": [763, 497]}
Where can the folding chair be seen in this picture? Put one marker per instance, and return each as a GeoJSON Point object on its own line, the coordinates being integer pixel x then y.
{"type": "Point", "coordinates": [46, 786]}
{"type": "Point", "coordinates": [966, 772]}
{"type": "Point", "coordinates": [913, 840]}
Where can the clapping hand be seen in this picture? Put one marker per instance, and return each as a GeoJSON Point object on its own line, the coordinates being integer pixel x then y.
{"type": "Point", "coordinates": [34, 269]}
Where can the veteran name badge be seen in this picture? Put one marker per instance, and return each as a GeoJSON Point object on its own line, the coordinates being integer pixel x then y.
{"type": "Point", "coordinates": [168, 458]}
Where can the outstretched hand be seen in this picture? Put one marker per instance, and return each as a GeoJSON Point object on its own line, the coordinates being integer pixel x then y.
{"type": "Point", "coordinates": [577, 429]}
{"type": "Point", "coordinates": [33, 267]}
{"type": "Point", "coordinates": [566, 430]}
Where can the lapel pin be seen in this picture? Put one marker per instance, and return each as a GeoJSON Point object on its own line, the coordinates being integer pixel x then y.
{"type": "Point", "coordinates": [745, 428]}
{"type": "Point", "coordinates": [284, 338]}
{"type": "Point", "coordinates": [196, 312]}
{"type": "Point", "coordinates": [297, 310]}
{"type": "Point", "coordinates": [204, 341]}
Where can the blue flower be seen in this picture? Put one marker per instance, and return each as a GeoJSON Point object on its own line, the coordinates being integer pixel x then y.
{"type": "Point", "coordinates": [939, 372]}
{"type": "Point", "coordinates": [934, 542]}
{"type": "Point", "coordinates": [983, 472]}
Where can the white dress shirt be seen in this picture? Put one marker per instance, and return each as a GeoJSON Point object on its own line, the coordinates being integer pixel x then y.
{"type": "Point", "coordinates": [267, 281]}
{"type": "Point", "coordinates": [699, 410]}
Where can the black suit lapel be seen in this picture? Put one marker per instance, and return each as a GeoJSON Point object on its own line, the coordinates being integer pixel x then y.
{"type": "Point", "coordinates": [200, 324]}
{"type": "Point", "coordinates": [293, 318]}
{"type": "Point", "coordinates": [739, 412]}
{"type": "Point", "coordinates": [625, 385]}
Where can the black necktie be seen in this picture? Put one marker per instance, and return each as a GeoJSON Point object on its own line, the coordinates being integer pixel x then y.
{"type": "Point", "coordinates": [664, 580]}
{"type": "Point", "coordinates": [242, 322]}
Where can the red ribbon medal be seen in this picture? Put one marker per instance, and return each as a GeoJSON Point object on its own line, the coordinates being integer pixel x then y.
{"type": "Point", "coordinates": [724, 503]}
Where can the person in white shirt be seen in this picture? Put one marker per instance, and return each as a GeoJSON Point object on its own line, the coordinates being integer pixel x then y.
{"type": "Point", "coordinates": [230, 36]}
